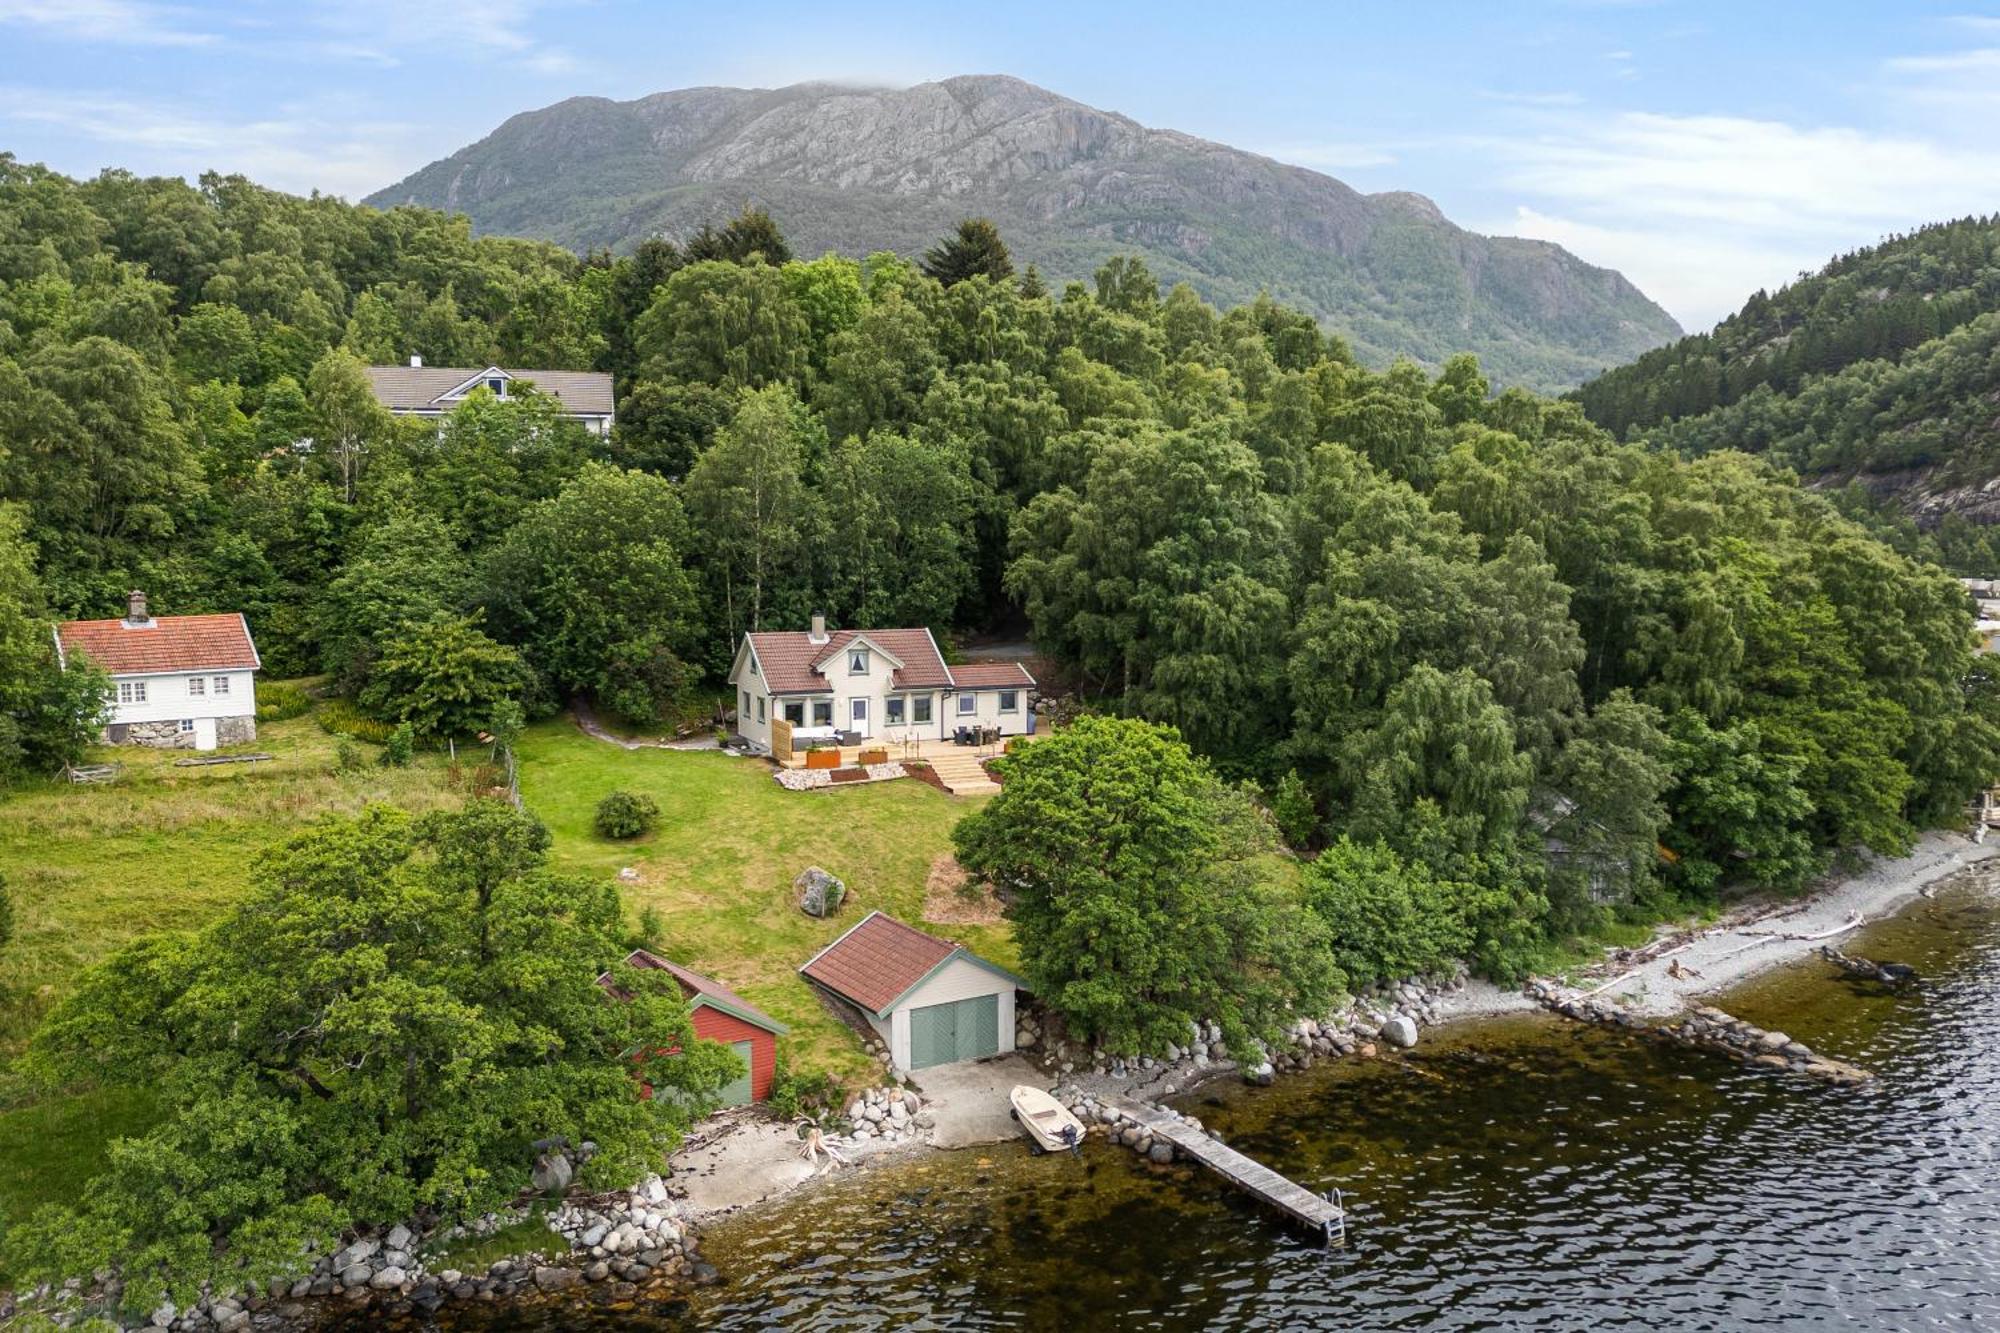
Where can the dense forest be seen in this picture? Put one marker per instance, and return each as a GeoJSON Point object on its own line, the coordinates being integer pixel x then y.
{"type": "Point", "coordinates": [1879, 372]}
{"type": "Point", "coordinates": [1473, 633]}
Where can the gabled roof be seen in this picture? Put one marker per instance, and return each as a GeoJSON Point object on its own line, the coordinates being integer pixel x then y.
{"type": "Point", "coordinates": [879, 961]}
{"type": "Point", "coordinates": [702, 990]}
{"type": "Point", "coordinates": [437, 388]}
{"type": "Point", "coordinates": [162, 644]}
{"type": "Point", "coordinates": [991, 676]}
{"type": "Point", "coordinates": [791, 662]}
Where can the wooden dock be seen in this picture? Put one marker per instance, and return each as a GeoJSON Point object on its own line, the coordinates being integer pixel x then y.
{"type": "Point", "coordinates": [1254, 1178]}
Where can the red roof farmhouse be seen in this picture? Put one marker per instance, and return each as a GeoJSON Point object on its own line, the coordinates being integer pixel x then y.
{"type": "Point", "coordinates": [932, 1001]}
{"type": "Point", "coordinates": [180, 682]}
{"type": "Point", "coordinates": [720, 1014]}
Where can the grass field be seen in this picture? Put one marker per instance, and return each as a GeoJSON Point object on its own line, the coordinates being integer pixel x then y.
{"type": "Point", "coordinates": [719, 869]}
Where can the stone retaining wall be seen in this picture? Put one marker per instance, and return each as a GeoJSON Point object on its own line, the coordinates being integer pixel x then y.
{"type": "Point", "coordinates": [1703, 1026]}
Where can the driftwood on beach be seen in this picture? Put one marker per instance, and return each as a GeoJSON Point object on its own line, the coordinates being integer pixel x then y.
{"type": "Point", "coordinates": [1867, 969]}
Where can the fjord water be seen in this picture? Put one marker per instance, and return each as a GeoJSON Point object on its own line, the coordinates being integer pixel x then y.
{"type": "Point", "coordinates": [1524, 1173]}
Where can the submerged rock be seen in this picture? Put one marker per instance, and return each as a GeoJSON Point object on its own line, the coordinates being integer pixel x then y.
{"type": "Point", "coordinates": [1400, 1030]}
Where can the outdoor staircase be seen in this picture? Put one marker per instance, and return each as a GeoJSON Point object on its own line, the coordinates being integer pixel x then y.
{"type": "Point", "coordinates": [961, 771]}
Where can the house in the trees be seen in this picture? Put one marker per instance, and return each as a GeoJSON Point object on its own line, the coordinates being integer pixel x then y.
{"type": "Point", "coordinates": [179, 682]}
{"type": "Point", "coordinates": [720, 1014]}
{"type": "Point", "coordinates": [886, 684]}
{"type": "Point", "coordinates": [933, 1002]}
{"type": "Point", "coordinates": [418, 390]}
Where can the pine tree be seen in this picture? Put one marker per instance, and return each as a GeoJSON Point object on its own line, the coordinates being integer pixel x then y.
{"type": "Point", "coordinates": [975, 248]}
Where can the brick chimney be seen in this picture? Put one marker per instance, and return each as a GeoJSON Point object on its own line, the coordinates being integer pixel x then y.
{"type": "Point", "coordinates": [818, 634]}
{"type": "Point", "coordinates": [416, 363]}
{"type": "Point", "coordinates": [135, 609]}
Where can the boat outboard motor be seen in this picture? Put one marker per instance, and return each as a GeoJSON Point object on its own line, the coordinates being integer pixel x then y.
{"type": "Point", "coordinates": [1073, 1137]}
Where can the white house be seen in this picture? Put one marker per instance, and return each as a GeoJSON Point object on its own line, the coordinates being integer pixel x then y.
{"type": "Point", "coordinates": [933, 1002]}
{"type": "Point", "coordinates": [418, 390]}
{"type": "Point", "coordinates": [888, 684]}
{"type": "Point", "coordinates": [179, 682]}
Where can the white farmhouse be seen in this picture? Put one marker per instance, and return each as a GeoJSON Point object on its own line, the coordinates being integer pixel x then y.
{"type": "Point", "coordinates": [887, 684]}
{"type": "Point", "coordinates": [178, 682]}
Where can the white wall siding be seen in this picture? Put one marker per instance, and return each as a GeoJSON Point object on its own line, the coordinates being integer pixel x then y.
{"type": "Point", "coordinates": [960, 979]}
{"type": "Point", "coordinates": [986, 711]}
{"type": "Point", "coordinates": [168, 699]}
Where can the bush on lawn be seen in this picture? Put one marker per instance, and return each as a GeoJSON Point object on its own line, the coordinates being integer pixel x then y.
{"type": "Point", "coordinates": [626, 814]}
{"type": "Point", "coordinates": [282, 700]}
{"type": "Point", "coordinates": [338, 717]}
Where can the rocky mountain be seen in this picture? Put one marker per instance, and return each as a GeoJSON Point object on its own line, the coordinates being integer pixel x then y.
{"type": "Point", "coordinates": [856, 170]}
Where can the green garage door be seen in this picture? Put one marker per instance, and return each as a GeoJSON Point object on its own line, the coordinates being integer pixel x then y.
{"type": "Point", "coordinates": [738, 1093]}
{"type": "Point", "coordinates": [941, 1034]}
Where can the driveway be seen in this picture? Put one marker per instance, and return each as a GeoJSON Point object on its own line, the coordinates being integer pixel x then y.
{"type": "Point", "coordinates": [969, 1101]}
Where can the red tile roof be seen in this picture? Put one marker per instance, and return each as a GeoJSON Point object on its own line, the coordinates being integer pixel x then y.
{"type": "Point", "coordinates": [164, 643]}
{"type": "Point", "coordinates": [698, 987]}
{"type": "Point", "coordinates": [790, 660]}
{"type": "Point", "coordinates": [877, 961]}
{"type": "Point", "coordinates": [991, 675]}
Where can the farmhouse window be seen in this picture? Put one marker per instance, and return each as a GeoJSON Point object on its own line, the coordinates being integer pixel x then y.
{"type": "Point", "coordinates": [1010, 701]}
{"type": "Point", "coordinates": [131, 691]}
{"type": "Point", "coordinates": [823, 712]}
{"type": "Point", "coordinates": [222, 685]}
{"type": "Point", "coordinates": [196, 687]}
{"type": "Point", "coordinates": [857, 663]}
{"type": "Point", "coordinates": [895, 713]}
{"type": "Point", "coordinates": [968, 704]}
{"type": "Point", "coordinates": [760, 708]}
{"type": "Point", "coordinates": [920, 708]}
{"type": "Point", "coordinates": [187, 724]}
{"type": "Point", "coordinates": [795, 713]}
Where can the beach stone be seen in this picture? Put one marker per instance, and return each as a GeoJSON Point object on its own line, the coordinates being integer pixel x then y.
{"type": "Point", "coordinates": [552, 1173]}
{"type": "Point", "coordinates": [1772, 1041]}
{"type": "Point", "coordinates": [820, 892]}
{"type": "Point", "coordinates": [1401, 1030]}
{"type": "Point", "coordinates": [399, 1237]}
{"type": "Point", "coordinates": [354, 1275]}
{"type": "Point", "coordinates": [1161, 1152]}
{"type": "Point", "coordinates": [387, 1278]}
{"type": "Point", "coordinates": [556, 1279]}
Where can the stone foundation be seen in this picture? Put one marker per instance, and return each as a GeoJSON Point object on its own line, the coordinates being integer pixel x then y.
{"type": "Point", "coordinates": [155, 735]}
{"type": "Point", "coordinates": [235, 730]}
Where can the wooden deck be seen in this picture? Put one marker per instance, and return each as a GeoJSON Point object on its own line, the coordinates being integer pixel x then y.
{"type": "Point", "coordinates": [1253, 1178]}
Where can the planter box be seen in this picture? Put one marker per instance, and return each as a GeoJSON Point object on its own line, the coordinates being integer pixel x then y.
{"type": "Point", "coordinates": [868, 757]}
{"type": "Point", "coordinates": [822, 759]}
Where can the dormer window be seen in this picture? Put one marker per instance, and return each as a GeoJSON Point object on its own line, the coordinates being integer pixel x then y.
{"type": "Point", "coordinates": [498, 386]}
{"type": "Point", "coordinates": [857, 663]}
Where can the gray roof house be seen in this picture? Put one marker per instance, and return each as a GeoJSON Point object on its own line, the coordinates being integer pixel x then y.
{"type": "Point", "coordinates": [418, 390]}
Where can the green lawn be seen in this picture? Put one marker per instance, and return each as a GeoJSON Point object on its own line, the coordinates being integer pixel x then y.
{"type": "Point", "coordinates": [720, 867]}
{"type": "Point", "coordinates": [162, 848]}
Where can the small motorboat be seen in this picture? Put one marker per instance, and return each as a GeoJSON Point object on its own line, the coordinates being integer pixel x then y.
{"type": "Point", "coordinates": [1050, 1126]}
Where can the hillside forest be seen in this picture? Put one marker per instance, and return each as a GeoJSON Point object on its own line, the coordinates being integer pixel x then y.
{"type": "Point", "coordinates": [1876, 377]}
{"type": "Point", "coordinates": [1471, 633]}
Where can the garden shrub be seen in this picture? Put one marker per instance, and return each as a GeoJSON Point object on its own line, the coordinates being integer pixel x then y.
{"type": "Point", "coordinates": [338, 717]}
{"type": "Point", "coordinates": [282, 700]}
{"type": "Point", "coordinates": [626, 814]}
{"type": "Point", "coordinates": [400, 748]}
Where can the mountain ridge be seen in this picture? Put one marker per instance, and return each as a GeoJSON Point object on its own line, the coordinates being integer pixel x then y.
{"type": "Point", "coordinates": [857, 169]}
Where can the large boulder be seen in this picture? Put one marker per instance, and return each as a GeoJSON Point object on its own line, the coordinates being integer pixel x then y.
{"type": "Point", "coordinates": [552, 1173]}
{"type": "Point", "coordinates": [1400, 1030]}
{"type": "Point", "coordinates": [820, 892]}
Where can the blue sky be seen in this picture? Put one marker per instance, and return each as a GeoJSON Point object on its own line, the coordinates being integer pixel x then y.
{"type": "Point", "coordinates": [1705, 149]}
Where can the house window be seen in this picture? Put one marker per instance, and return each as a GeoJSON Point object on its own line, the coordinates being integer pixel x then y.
{"type": "Point", "coordinates": [197, 687]}
{"type": "Point", "coordinates": [795, 713]}
{"type": "Point", "coordinates": [498, 386]}
{"type": "Point", "coordinates": [920, 708]}
{"type": "Point", "coordinates": [895, 713]}
{"type": "Point", "coordinates": [968, 704]}
{"type": "Point", "coordinates": [222, 685]}
{"type": "Point", "coordinates": [187, 724]}
{"type": "Point", "coordinates": [760, 708]}
{"type": "Point", "coordinates": [131, 691]}
{"type": "Point", "coordinates": [823, 712]}
{"type": "Point", "coordinates": [1010, 701]}
{"type": "Point", "coordinates": [743, 709]}
{"type": "Point", "coordinates": [857, 664]}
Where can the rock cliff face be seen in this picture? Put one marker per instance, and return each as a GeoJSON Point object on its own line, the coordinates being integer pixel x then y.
{"type": "Point", "coordinates": [856, 170]}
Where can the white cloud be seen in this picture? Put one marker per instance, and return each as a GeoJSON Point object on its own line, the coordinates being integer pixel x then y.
{"type": "Point", "coordinates": [1702, 210]}
{"type": "Point", "coordinates": [126, 22]}
{"type": "Point", "coordinates": [427, 31]}
{"type": "Point", "coordinates": [299, 151]}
